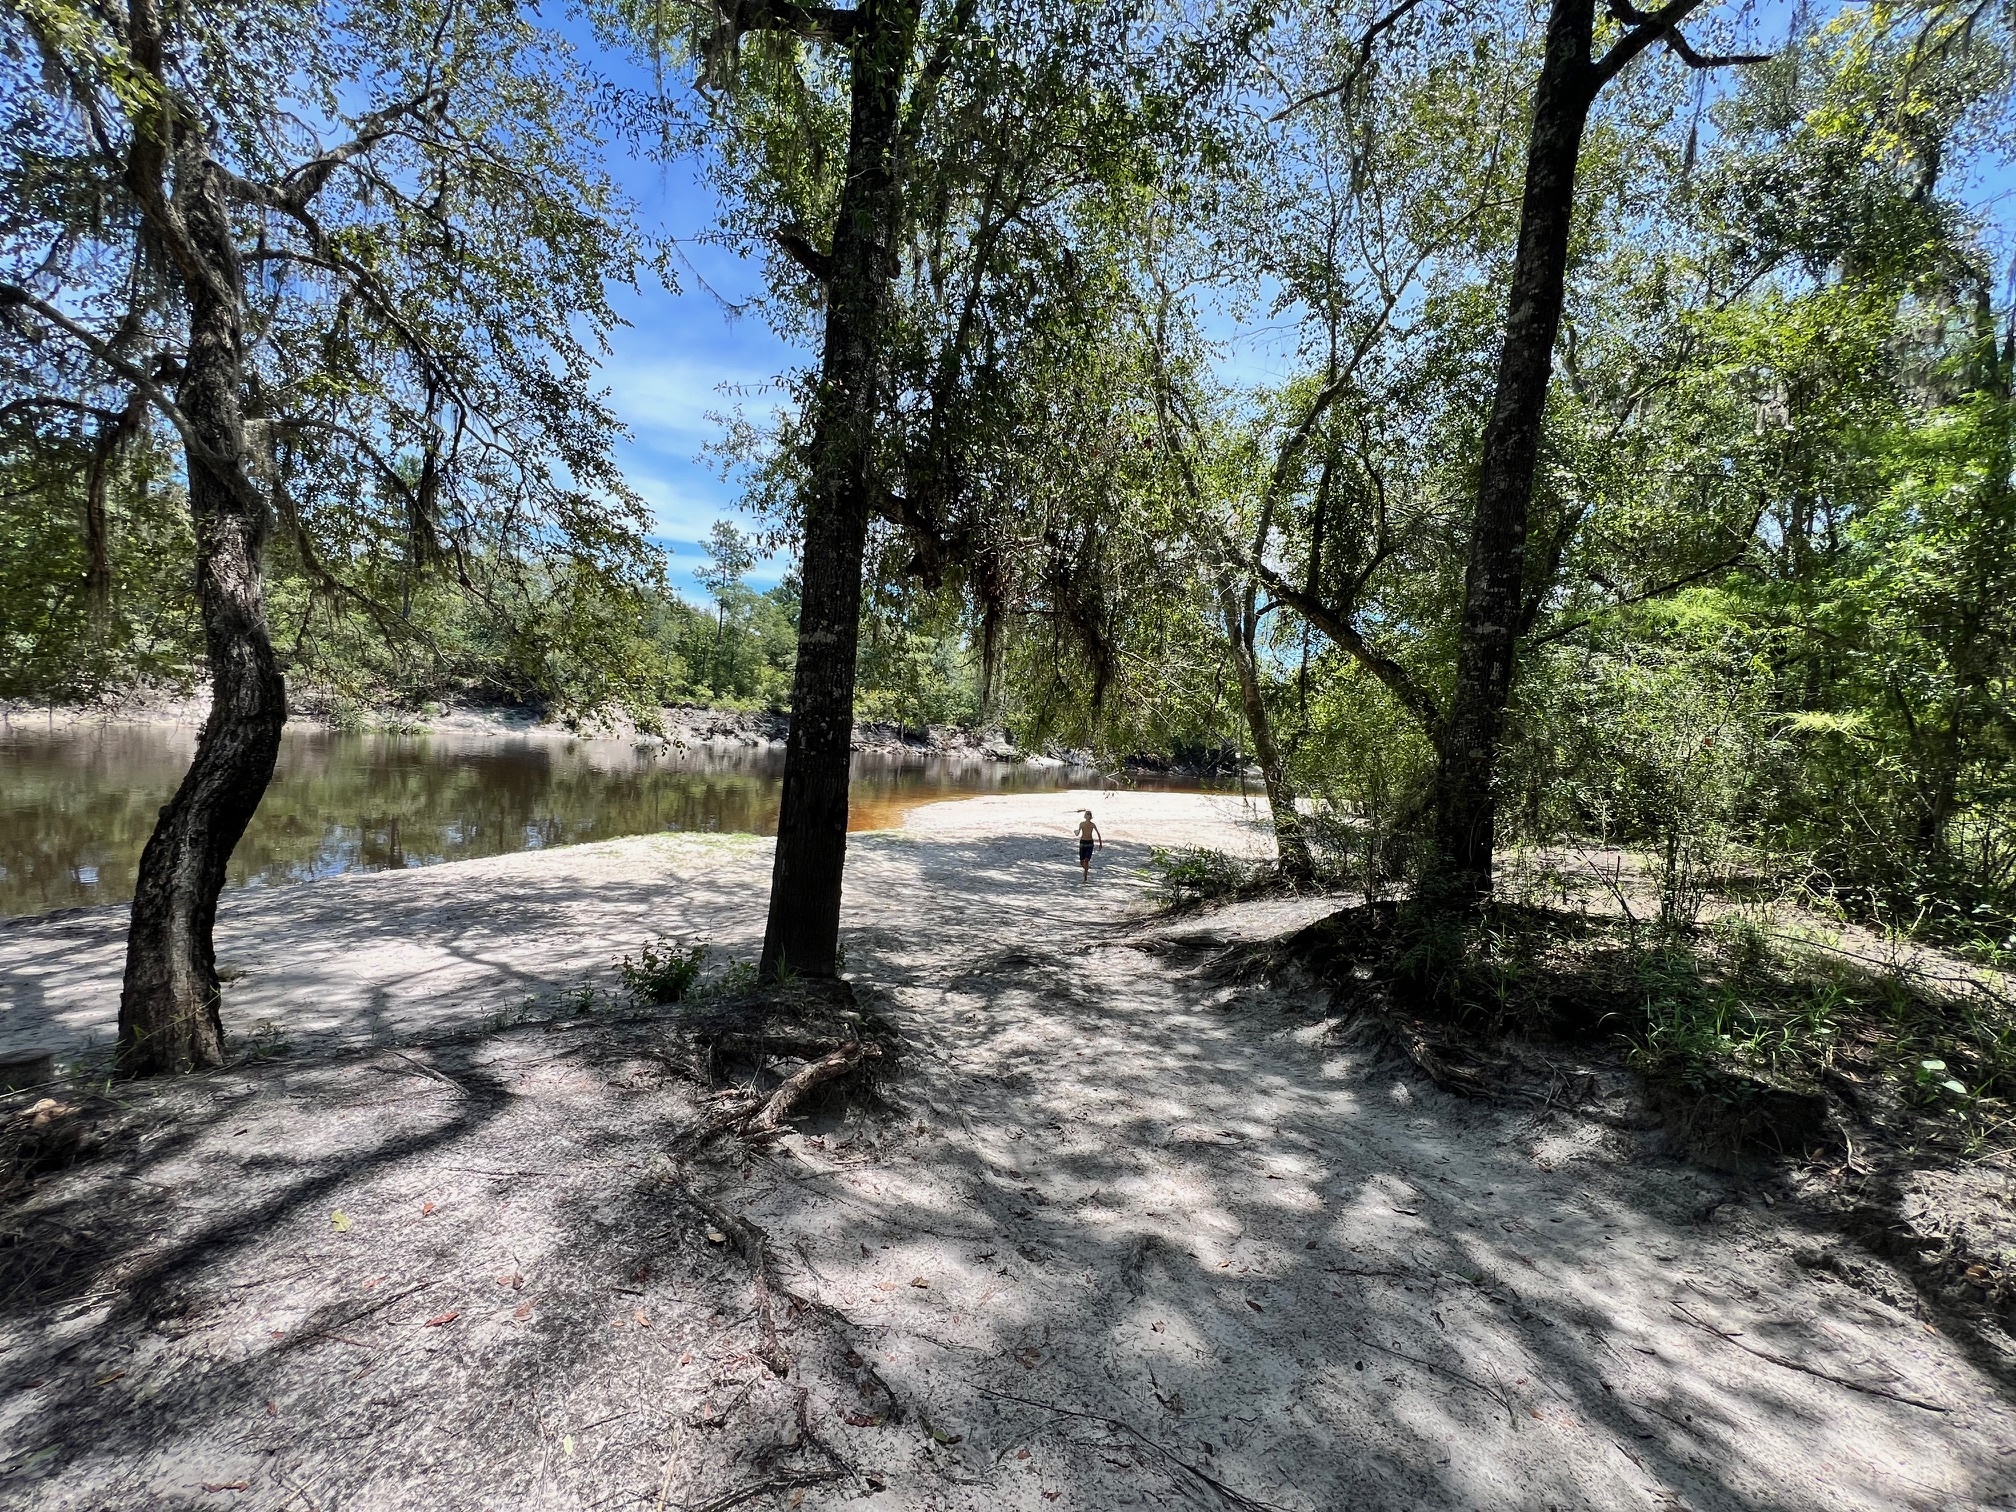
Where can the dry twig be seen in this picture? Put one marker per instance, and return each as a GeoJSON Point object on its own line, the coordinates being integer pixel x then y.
{"type": "Point", "coordinates": [1868, 1388]}
{"type": "Point", "coordinates": [1236, 1497]}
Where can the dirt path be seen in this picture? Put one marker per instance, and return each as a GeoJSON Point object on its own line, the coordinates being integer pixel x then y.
{"type": "Point", "coordinates": [1131, 1234]}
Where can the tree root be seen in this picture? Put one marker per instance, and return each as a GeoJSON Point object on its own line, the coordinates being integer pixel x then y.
{"type": "Point", "coordinates": [752, 1244]}
{"type": "Point", "coordinates": [1434, 1061]}
{"type": "Point", "coordinates": [763, 1117]}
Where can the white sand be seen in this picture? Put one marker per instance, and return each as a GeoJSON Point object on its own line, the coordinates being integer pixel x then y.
{"type": "Point", "coordinates": [1132, 1190]}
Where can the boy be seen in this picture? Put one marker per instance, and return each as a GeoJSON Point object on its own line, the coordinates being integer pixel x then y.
{"type": "Point", "coordinates": [1088, 837]}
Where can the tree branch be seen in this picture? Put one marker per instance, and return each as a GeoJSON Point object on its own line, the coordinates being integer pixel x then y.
{"type": "Point", "coordinates": [802, 252]}
{"type": "Point", "coordinates": [300, 185]}
{"type": "Point", "coordinates": [1662, 25]}
{"type": "Point", "coordinates": [1350, 80]}
{"type": "Point", "coordinates": [1734, 559]}
{"type": "Point", "coordinates": [1397, 679]}
{"type": "Point", "coordinates": [12, 297]}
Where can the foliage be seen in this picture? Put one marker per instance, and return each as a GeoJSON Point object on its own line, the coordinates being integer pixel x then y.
{"type": "Point", "coordinates": [428, 241]}
{"type": "Point", "coordinates": [1194, 874]}
{"type": "Point", "coordinates": [663, 971]}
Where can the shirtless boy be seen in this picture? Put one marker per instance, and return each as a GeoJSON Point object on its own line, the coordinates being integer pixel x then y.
{"type": "Point", "coordinates": [1088, 838]}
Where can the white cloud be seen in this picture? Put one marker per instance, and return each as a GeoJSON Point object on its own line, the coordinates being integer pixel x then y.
{"type": "Point", "coordinates": [682, 509]}
{"type": "Point", "coordinates": [670, 397]}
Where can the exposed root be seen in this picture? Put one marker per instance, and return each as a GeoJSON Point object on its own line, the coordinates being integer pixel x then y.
{"type": "Point", "coordinates": [1437, 1060]}
{"type": "Point", "coordinates": [842, 1060]}
{"type": "Point", "coordinates": [763, 1117]}
{"type": "Point", "coordinates": [751, 1243]}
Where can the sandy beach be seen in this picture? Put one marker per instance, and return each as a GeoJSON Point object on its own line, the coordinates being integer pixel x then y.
{"type": "Point", "coordinates": [1128, 1230]}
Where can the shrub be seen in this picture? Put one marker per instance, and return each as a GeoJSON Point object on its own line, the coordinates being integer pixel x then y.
{"type": "Point", "coordinates": [662, 972]}
{"type": "Point", "coordinates": [1191, 873]}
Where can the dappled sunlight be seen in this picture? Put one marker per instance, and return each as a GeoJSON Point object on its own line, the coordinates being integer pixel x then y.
{"type": "Point", "coordinates": [1118, 1235]}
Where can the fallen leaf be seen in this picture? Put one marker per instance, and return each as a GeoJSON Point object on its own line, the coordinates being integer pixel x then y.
{"type": "Point", "coordinates": [798, 1497]}
{"type": "Point", "coordinates": [514, 1281]}
{"type": "Point", "coordinates": [522, 1310]}
{"type": "Point", "coordinates": [1029, 1357]}
{"type": "Point", "coordinates": [1021, 1454]}
{"type": "Point", "coordinates": [1052, 1495]}
{"type": "Point", "coordinates": [426, 1208]}
{"type": "Point", "coordinates": [373, 1281]}
{"type": "Point", "coordinates": [862, 1420]}
{"type": "Point", "coordinates": [227, 1485]}
{"type": "Point", "coordinates": [642, 1321]}
{"type": "Point", "coordinates": [686, 1359]}
{"type": "Point", "coordinates": [446, 1317]}
{"type": "Point", "coordinates": [272, 1410]}
{"type": "Point", "coordinates": [278, 1333]}
{"type": "Point", "coordinates": [1255, 1305]}
{"type": "Point", "coordinates": [715, 1236]}
{"type": "Point", "coordinates": [340, 1220]}
{"type": "Point", "coordinates": [919, 1281]}
{"type": "Point", "coordinates": [1158, 1326]}
{"type": "Point", "coordinates": [107, 1380]}
{"type": "Point", "coordinates": [567, 1445]}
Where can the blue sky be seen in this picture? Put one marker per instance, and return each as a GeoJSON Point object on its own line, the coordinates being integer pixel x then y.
{"type": "Point", "coordinates": [684, 355]}
{"type": "Point", "coordinates": [675, 362]}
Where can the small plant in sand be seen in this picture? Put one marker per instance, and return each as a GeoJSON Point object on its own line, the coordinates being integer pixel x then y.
{"type": "Point", "coordinates": [663, 971]}
{"type": "Point", "coordinates": [740, 976]}
{"type": "Point", "coordinates": [1191, 873]}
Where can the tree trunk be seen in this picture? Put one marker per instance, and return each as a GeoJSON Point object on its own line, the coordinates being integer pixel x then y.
{"type": "Point", "coordinates": [168, 1011]}
{"type": "Point", "coordinates": [1493, 590]}
{"type": "Point", "coordinates": [803, 932]}
{"type": "Point", "coordinates": [1291, 844]}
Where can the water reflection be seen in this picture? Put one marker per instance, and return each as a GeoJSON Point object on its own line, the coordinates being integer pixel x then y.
{"type": "Point", "coordinates": [77, 805]}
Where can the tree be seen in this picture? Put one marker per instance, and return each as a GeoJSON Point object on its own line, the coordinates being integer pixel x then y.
{"type": "Point", "coordinates": [729, 558]}
{"type": "Point", "coordinates": [955, 134]}
{"type": "Point", "coordinates": [332, 308]}
{"type": "Point", "coordinates": [1497, 610]}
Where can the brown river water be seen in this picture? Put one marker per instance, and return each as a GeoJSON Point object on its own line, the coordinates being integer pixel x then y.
{"type": "Point", "coordinates": [77, 803]}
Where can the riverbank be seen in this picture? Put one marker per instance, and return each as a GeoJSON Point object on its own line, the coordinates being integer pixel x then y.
{"type": "Point", "coordinates": [677, 727]}
{"type": "Point", "coordinates": [1123, 1229]}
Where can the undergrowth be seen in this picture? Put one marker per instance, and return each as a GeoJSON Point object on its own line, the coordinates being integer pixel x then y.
{"type": "Point", "coordinates": [665, 972]}
{"type": "Point", "coordinates": [1899, 1036]}
{"type": "Point", "coordinates": [662, 971]}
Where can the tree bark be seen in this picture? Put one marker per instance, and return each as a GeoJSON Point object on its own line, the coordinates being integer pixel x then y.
{"type": "Point", "coordinates": [803, 931]}
{"type": "Point", "coordinates": [1465, 810]}
{"type": "Point", "coordinates": [168, 1010]}
{"type": "Point", "coordinates": [1291, 842]}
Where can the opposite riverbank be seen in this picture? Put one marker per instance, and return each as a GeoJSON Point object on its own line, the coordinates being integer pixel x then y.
{"type": "Point", "coordinates": [675, 726]}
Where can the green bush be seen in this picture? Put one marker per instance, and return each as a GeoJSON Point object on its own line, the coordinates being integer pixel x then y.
{"type": "Point", "coordinates": [1191, 873]}
{"type": "Point", "coordinates": [662, 972]}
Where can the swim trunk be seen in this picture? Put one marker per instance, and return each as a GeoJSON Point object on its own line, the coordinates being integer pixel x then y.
{"type": "Point", "coordinates": [1084, 851]}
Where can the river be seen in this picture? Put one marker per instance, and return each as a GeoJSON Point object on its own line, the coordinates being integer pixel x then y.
{"type": "Point", "coordinates": [77, 803]}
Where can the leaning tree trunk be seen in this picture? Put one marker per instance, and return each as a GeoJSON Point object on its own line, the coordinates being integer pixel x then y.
{"type": "Point", "coordinates": [1494, 586]}
{"type": "Point", "coordinates": [168, 1012]}
{"type": "Point", "coordinates": [1291, 842]}
{"type": "Point", "coordinates": [803, 933]}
